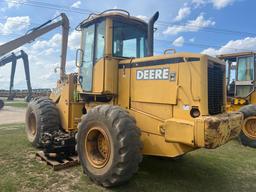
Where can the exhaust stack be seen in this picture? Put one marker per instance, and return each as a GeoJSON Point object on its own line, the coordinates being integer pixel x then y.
{"type": "Point", "coordinates": [151, 33]}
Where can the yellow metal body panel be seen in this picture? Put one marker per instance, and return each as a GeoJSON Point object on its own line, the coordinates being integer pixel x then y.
{"type": "Point", "coordinates": [98, 76]}
{"type": "Point", "coordinates": [123, 87]}
{"type": "Point", "coordinates": [179, 131]}
{"type": "Point", "coordinates": [105, 76]}
{"type": "Point", "coordinates": [182, 92]}
{"type": "Point", "coordinates": [253, 98]}
{"type": "Point", "coordinates": [232, 108]}
{"type": "Point", "coordinates": [165, 92]}
{"type": "Point", "coordinates": [69, 109]}
{"type": "Point", "coordinates": [75, 115]}
{"type": "Point", "coordinates": [156, 145]}
{"type": "Point", "coordinates": [175, 137]}
{"type": "Point", "coordinates": [111, 78]}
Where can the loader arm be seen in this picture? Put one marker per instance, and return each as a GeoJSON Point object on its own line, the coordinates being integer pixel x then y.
{"type": "Point", "coordinates": [39, 31]}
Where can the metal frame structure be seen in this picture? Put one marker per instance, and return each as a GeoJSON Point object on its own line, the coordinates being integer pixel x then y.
{"type": "Point", "coordinates": [12, 58]}
{"type": "Point", "coordinates": [36, 32]}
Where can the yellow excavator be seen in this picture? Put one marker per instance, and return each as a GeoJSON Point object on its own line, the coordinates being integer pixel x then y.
{"type": "Point", "coordinates": [125, 103]}
{"type": "Point", "coordinates": [241, 95]}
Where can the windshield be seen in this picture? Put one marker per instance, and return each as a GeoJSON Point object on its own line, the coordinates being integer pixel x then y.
{"type": "Point", "coordinates": [128, 40]}
{"type": "Point", "coordinates": [245, 73]}
{"type": "Point", "coordinates": [245, 69]}
{"type": "Point", "coordinates": [231, 77]}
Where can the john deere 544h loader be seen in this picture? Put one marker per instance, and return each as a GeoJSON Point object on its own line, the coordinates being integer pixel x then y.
{"type": "Point", "coordinates": [124, 102]}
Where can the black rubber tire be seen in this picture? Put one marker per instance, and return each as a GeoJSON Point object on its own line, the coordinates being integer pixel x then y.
{"type": "Point", "coordinates": [248, 111]}
{"type": "Point", "coordinates": [46, 117]}
{"type": "Point", "coordinates": [1, 104]}
{"type": "Point", "coordinates": [126, 147]}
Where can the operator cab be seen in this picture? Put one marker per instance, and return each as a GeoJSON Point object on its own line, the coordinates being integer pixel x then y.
{"type": "Point", "coordinates": [240, 74]}
{"type": "Point", "coordinates": [106, 38]}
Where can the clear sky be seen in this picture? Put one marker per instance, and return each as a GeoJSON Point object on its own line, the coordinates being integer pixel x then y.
{"type": "Point", "coordinates": [208, 26]}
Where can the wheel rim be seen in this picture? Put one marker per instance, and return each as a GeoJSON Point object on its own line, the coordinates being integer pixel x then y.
{"type": "Point", "coordinates": [97, 147]}
{"type": "Point", "coordinates": [249, 127]}
{"type": "Point", "coordinates": [32, 125]}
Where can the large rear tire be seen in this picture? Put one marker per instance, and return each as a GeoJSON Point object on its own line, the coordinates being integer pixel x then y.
{"type": "Point", "coordinates": [42, 116]}
{"type": "Point", "coordinates": [108, 145]}
{"type": "Point", "coordinates": [248, 133]}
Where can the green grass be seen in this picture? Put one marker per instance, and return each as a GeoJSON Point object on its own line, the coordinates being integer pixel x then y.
{"type": "Point", "coordinates": [19, 104]}
{"type": "Point", "coordinates": [228, 168]}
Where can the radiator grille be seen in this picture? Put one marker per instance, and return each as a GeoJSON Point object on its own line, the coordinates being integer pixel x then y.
{"type": "Point", "coordinates": [216, 77]}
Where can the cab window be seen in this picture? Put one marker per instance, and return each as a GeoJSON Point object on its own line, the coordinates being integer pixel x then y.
{"type": "Point", "coordinates": [245, 69]}
{"type": "Point", "coordinates": [245, 73]}
{"type": "Point", "coordinates": [100, 41]}
{"type": "Point", "coordinates": [128, 40]}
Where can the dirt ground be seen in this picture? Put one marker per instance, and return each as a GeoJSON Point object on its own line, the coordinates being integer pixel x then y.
{"type": "Point", "coordinates": [10, 115]}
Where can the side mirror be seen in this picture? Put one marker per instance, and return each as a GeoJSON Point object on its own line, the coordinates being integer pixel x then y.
{"type": "Point", "coordinates": [79, 57]}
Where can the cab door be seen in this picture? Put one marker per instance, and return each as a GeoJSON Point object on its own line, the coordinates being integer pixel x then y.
{"type": "Point", "coordinates": [91, 69]}
{"type": "Point", "coordinates": [86, 68]}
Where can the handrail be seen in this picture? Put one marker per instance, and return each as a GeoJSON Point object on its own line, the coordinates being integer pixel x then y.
{"type": "Point", "coordinates": [170, 49]}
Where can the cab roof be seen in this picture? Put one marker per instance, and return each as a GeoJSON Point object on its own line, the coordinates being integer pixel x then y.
{"type": "Point", "coordinates": [232, 55]}
{"type": "Point", "coordinates": [112, 13]}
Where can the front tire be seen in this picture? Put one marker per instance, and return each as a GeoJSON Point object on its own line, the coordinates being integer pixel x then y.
{"type": "Point", "coordinates": [41, 116]}
{"type": "Point", "coordinates": [248, 133]}
{"type": "Point", "coordinates": [108, 145]}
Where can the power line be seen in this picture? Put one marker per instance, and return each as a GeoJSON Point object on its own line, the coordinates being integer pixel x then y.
{"type": "Point", "coordinates": [201, 45]}
{"type": "Point", "coordinates": [51, 6]}
{"type": "Point", "coordinates": [161, 23]}
{"type": "Point", "coordinates": [207, 29]}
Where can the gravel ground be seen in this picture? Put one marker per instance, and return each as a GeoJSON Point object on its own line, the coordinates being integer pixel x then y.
{"type": "Point", "coordinates": [9, 115]}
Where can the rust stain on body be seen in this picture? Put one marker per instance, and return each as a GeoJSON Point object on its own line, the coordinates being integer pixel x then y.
{"type": "Point", "coordinates": [221, 128]}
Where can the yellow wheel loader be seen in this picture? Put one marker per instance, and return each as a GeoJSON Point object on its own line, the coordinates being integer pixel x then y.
{"type": "Point", "coordinates": [241, 95]}
{"type": "Point", "coordinates": [125, 103]}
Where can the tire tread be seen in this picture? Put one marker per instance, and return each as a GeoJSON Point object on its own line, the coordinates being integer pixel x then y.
{"type": "Point", "coordinates": [127, 140]}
